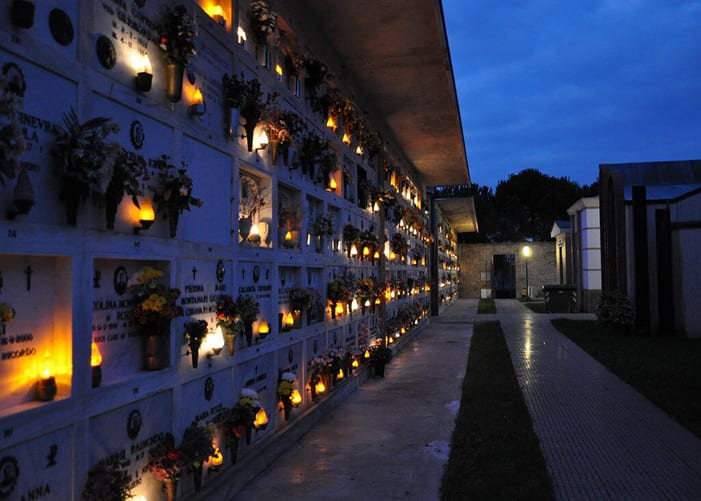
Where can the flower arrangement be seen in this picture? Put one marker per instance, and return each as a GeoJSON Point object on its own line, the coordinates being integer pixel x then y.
{"type": "Point", "coordinates": [165, 460]}
{"type": "Point", "coordinates": [380, 354]}
{"type": "Point", "coordinates": [310, 151]}
{"type": "Point", "coordinates": [127, 174]}
{"type": "Point", "coordinates": [283, 126]}
{"type": "Point", "coordinates": [172, 192]}
{"type": "Point", "coordinates": [252, 197]}
{"type": "Point", "coordinates": [294, 62]}
{"type": "Point", "coordinates": [287, 384]}
{"type": "Point", "coordinates": [324, 226]}
{"type": "Point", "coordinates": [337, 291]}
{"type": "Point", "coordinates": [106, 482]}
{"type": "Point", "coordinates": [398, 244]}
{"type": "Point", "coordinates": [196, 446]}
{"type": "Point", "coordinates": [177, 35]}
{"type": "Point", "coordinates": [195, 332]}
{"type": "Point", "coordinates": [12, 143]}
{"type": "Point", "coordinates": [248, 308]}
{"type": "Point", "coordinates": [341, 106]}
{"type": "Point", "coordinates": [263, 20]}
{"type": "Point", "coordinates": [227, 314]}
{"type": "Point", "coordinates": [7, 313]}
{"type": "Point", "coordinates": [351, 234]}
{"type": "Point", "coordinates": [303, 298]}
{"type": "Point", "coordinates": [251, 400]}
{"type": "Point", "coordinates": [328, 164]}
{"type": "Point", "coordinates": [370, 140]}
{"type": "Point", "coordinates": [250, 100]}
{"type": "Point", "coordinates": [84, 160]}
{"type": "Point", "coordinates": [155, 304]}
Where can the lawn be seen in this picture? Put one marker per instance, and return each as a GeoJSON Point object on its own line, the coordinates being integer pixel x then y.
{"type": "Point", "coordinates": [494, 452]}
{"type": "Point", "coordinates": [665, 370]}
{"type": "Point", "coordinates": [486, 306]}
{"type": "Point", "coordinates": [535, 306]}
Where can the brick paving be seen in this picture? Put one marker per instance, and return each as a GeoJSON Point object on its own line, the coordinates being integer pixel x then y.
{"type": "Point", "coordinates": [600, 437]}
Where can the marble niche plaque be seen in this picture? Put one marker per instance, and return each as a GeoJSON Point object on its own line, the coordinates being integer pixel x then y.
{"type": "Point", "coordinates": [125, 435]}
{"type": "Point", "coordinates": [39, 289]}
{"type": "Point", "coordinates": [39, 117]}
{"type": "Point", "coordinates": [316, 346]}
{"type": "Point", "coordinates": [115, 335]}
{"type": "Point", "coordinates": [256, 279]}
{"type": "Point", "coordinates": [41, 468]}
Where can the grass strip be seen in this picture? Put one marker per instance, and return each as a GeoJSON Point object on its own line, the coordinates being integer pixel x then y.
{"type": "Point", "coordinates": [663, 369]}
{"type": "Point", "coordinates": [486, 306]}
{"type": "Point", "coordinates": [494, 451]}
{"type": "Point", "coordinates": [535, 306]}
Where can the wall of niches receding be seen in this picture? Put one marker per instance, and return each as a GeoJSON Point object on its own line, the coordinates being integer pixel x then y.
{"type": "Point", "coordinates": [67, 284]}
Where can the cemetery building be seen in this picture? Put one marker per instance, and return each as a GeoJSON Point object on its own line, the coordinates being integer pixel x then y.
{"type": "Point", "coordinates": [214, 213]}
{"type": "Point", "coordinates": [585, 252]}
{"type": "Point", "coordinates": [650, 242]}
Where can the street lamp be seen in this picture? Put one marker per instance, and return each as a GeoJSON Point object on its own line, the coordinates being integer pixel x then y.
{"type": "Point", "coordinates": [526, 254]}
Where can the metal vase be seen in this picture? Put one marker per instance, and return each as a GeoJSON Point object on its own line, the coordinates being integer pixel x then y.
{"type": "Point", "coordinates": [174, 81]}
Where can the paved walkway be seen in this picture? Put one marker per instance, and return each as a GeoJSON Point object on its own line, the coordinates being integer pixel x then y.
{"type": "Point", "coordinates": [600, 438]}
{"type": "Point", "coordinates": [389, 440]}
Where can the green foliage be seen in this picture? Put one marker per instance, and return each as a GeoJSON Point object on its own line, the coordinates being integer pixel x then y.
{"type": "Point", "coordinates": [196, 446]}
{"type": "Point", "coordinates": [106, 482]}
{"type": "Point", "coordinates": [177, 34]}
{"type": "Point", "coordinates": [614, 311]}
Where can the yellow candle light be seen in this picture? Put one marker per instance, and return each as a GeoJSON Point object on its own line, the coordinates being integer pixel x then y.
{"type": "Point", "coordinates": [216, 459]}
{"type": "Point", "coordinates": [346, 139]}
{"type": "Point", "coordinates": [319, 387]}
{"type": "Point", "coordinates": [289, 320]}
{"type": "Point", "coordinates": [261, 420]}
{"type": "Point", "coordinates": [366, 251]}
{"type": "Point", "coordinates": [295, 398]}
{"type": "Point", "coordinates": [288, 236]}
{"type": "Point", "coordinates": [95, 356]}
{"type": "Point", "coordinates": [331, 123]}
{"type": "Point", "coordinates": [332, 185]}
{"type": "Point", "coordinates": [340, 375]}
{"type": "Point", "coordinates": [263, 327]}
{"type": "Point", "coordinates": [353, 250]}
{"type": "Point", "coordinates": [355, 363]}
{"type": "Point", "coordinates": [340, 309]}
{"type": "Point", "coordinates": [367, 354]}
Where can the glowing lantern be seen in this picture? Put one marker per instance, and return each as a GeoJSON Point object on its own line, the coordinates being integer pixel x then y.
{"type": "Point", "coordinates": [392, 294]}
{"type": "Point", "coordinates": [261, 420]}
{"type": "Point", "coordinates": [254, 236]}
{"type": "Point", "coordinates": [340, 310]}
{"type": "Point", "coordinates": [392, 255]}
{"type": "Point", "coordinates": [278, 71]}
{"type": "Point", "coordinates": [423, 261]}
{"type": "Point", "coordinates": [332, 185]}
{"type": "Point", "coordinates": [346, 139]}
{"type": "Point", "coordinates": [353, 250]}
{"type": "Point", "coordinates": [359, 150]}
{"type": "Point", "coordinates": [378, 301]}
{"type": "Point", "coordinates": [197, 105]}
{"type": "Point", "coordinates": [46, 386]}
{"type": "Point", "coordinates": [402, 330]}
{"type": "Point", "coordinates": [331, 123]}
{"type": "Point", "coordinates": [241, 34]}
{"type": "Point", "coordinates": [390, 340]}
{"type": "Point", "coordinates": [295, 398]}
{"type": "Point", "coordinates": [95, 356]}
{"type": "Point", "coordinates": [367, 303]}
{"type": "Point", "coordinates": [366, 251]}
{"type": "Point", "coordinates": [263, 328]}
{"type": "Point", "coordinates": [288, 236]}
{"type": "Point", "coordinates": [376, 207]}
{"type": "Point", "coordinates": [355, 363]}
{"type": "Point", "coordinates": [146, 214]}
{"type": "Point", "coordinates": [289, 320]}
{"type": "Point", "coordinates": [217, 458]}
{"type": "Point", "coordinates": [319, 387]}
{"type": "Point", "coordinates": [354, 305]}
{"type": "Point", "coordinates": [367, 354]}
{"type": "Point", "coordinates": [217, 13]}
{"type": "Point", "coordinates": [340, 375]}
{"type": "Point", "coordinates": [214, 341]}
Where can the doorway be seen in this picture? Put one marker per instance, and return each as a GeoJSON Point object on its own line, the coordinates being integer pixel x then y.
{"type": "Point", "coordinates": [504, 276]}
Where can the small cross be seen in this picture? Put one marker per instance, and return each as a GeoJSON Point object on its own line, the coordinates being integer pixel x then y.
{"type": "Point", "coordinates": [28, 271]}
{"type": "Point", "coordinates": [194, 272]}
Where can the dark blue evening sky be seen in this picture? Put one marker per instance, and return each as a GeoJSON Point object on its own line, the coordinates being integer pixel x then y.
{"type": "Point", "coordinates": [562, 86]}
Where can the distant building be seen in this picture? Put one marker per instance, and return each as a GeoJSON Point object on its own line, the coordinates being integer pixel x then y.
{"type": "Point", "coordinates": [585, 252]}
{"type": "Point", "coordinates": [563, 251]}
{"type": "Point", "coordinates": [651, 240]}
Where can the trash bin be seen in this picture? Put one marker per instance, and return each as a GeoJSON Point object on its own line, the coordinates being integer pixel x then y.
{"type": "Point", "coordinates": [560, 298]}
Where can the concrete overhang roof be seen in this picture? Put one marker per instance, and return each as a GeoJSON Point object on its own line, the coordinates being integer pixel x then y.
{"type": "Point", "coordinates": [397, 53]}
{"type": "Point", "coordinates": [460, 212]}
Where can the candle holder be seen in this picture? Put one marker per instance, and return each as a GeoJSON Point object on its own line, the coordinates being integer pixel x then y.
{"type": "Point", "coordinates": [46, 389]}
{"type": "Point", "coordinates": [143, 81]}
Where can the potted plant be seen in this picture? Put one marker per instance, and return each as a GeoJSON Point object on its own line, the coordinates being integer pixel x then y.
{"type": "Point", "coordinates": [228, 319]}
{"type": "Point", "coordinates": [166, 462]}
{"type": "Point", "coordinates": [106, 482]}
{"type": "Point", "coordinates": [316, 75]}
{"type": "Point", "coordinates": [195, 450]}
{"type": "Point", "coordinates": [310, 152]}
{"type": "Point", "coordinates": [84, 160]}
{"type": "Point", "coordinates": [380, 356]}
{"type": "Point", "coordinates": [195, 332]}
{"type": "Point", "coordinates": [154, 308]}
{"type": "Point", "coordinates": [172, 192]}
{"type": "Point", "coordinates": [323, 227]}
{"type": "Point", "coordinates": [263, 24]}
{"type": "Point", "coordinates": [177, 34]}
{"type": "Point", "coordinates": [128, 171]}
{"type": "Point", "coordinates": [337, 292]}
{"type": "Point", "coordinates": [294, 64]}
{"type": "Point", "coordinates": [351, 234]}
{"type": "Point", "coordinates": [250, 400]}
{"type": "Point", "coordinates": [398, 244]}
{"type": "Point", "coordinates": [287, 393]}
{"type": "Point", "coordinates": [248, 309]}
{"type": "Point", "coordinates": [328, 164]}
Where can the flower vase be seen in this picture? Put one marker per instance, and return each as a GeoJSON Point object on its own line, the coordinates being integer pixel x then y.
{"type": "Point", "coordinates": [230, 342]}
{"type": "Point", "coordinates": [319, 243]}
{"type": "Point", "coordinates": [287, 406]}
{"type": "Point", "coordinates": [249, 333]}
{"type": "Point", "coordinates": [72, 198]}
{"type": "Point", "coordinates": [245, 224]}
{"type": "Point", "coordinates": [284, 151]}
{"type": "Point", "coordinates": [22, 13]}
{"type": "Point", "coordinates": [173, 217]}
{"type": "Point", "coordinates": [231, 122]}
{"type": "Point", "coordinates": [170, 489]}
{"type": "Point", "coordinates": [274, 144]}
{"type": "Point", "coordinates": [111, 205]}
{"type": "Point", "coordinates": [262, 54]}
{"type": "Point", "coordinates": [248, 436]}
{"type": "Point", "coordinates": [250, 128]}
{"type": "Point", "coordinates": [174, 82]}
{"type": "Point", "coordinates": [312, 389]}
{"type": "Point", "coordinates": [155, 351]}
{"type": "Point", "coordinates": [197, 477]}
{"type": "Point", "coordinates": [23, 197]}
{"type": "Point", "coordinates": [195, 351]}
{"type": "Point", "coordinates": [234, 449]}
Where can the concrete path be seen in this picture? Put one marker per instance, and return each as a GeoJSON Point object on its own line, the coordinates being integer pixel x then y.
{"type": "Point", "coordinates": [390, 439]}
{"type": "Point", "coordinates": [601, 439]}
